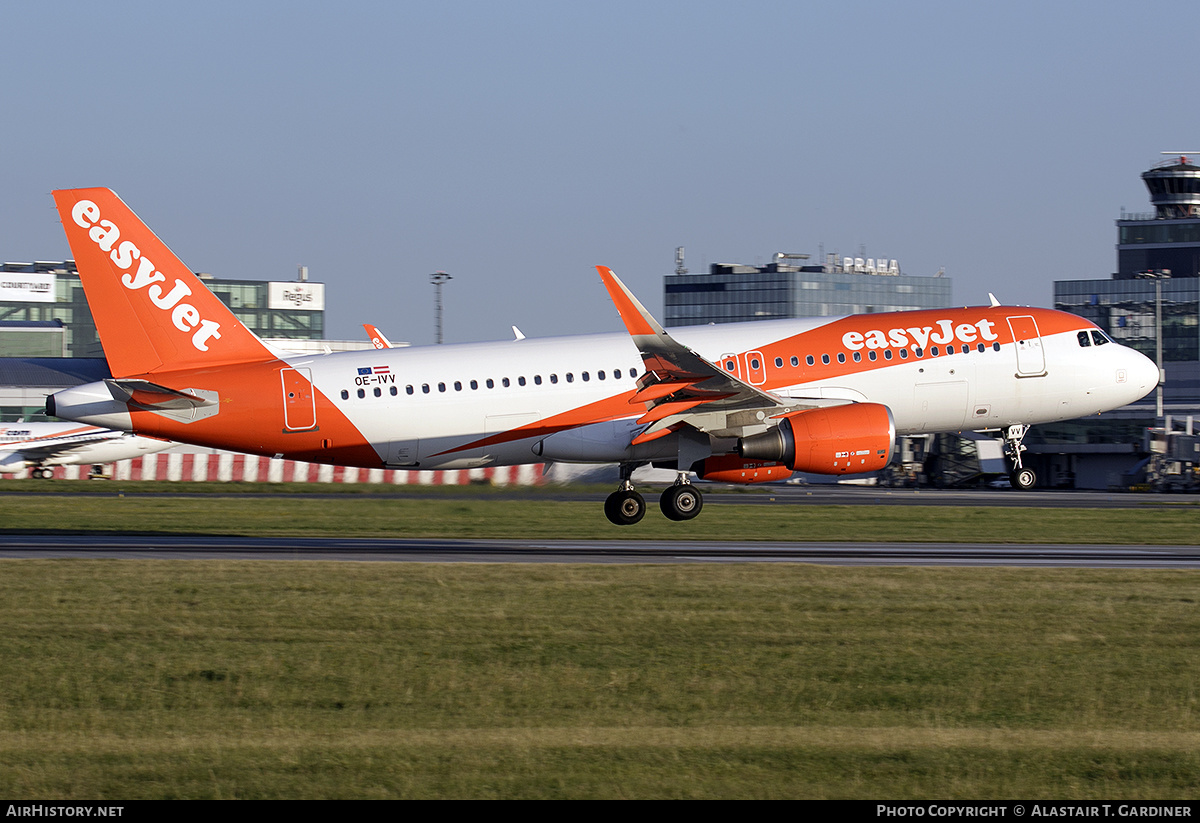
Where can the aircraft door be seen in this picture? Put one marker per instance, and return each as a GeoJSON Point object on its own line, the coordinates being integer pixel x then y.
{"type": "Point", "coordinates": [1031, 359]}
{"type": "Point", "coordinates": [299, 405]}
{"type": "Point", "coordinates": [756, 368]}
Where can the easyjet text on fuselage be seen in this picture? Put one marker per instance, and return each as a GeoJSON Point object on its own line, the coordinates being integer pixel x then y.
{"type": "Point", "coordinates": [941, 333]}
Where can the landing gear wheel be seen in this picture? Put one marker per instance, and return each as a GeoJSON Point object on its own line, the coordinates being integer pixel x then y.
{"type": "Point", "coordinates": [625, 507]}
{"type": "Point", "coordinates": [681, 502]}
{"type": "Point", "coordinates": [1023, 479]}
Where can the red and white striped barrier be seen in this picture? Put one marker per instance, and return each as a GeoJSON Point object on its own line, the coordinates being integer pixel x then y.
{"type": "Point", "coordinates": [229, 468]}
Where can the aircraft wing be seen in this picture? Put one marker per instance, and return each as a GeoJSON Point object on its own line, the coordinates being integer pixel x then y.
{"type": "Point", "coordinates": [682, 388]}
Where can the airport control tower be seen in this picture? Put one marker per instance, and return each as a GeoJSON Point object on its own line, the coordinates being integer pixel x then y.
{"type": "Point", "coordinates": [1168, 238]}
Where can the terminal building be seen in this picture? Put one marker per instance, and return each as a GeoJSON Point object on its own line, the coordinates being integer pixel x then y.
{"type": "Point", "coordinates": [790, 286]}
{"type": "Point", "coordinates": [1151, 300]}
{"type": "Point", "coordinates": [43, 311]}
{"type": "Point", "coordinates": [48, 339]}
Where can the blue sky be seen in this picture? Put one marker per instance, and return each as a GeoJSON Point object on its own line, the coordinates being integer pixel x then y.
{"type": "Point", "coordinates": [516, 145]}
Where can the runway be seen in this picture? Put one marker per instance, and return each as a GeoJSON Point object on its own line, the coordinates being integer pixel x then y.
{"type": "Point", "coordinates": [187, 547]}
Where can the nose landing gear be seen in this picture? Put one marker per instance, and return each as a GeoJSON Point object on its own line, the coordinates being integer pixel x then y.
{"type": "Point", "coordinates": [1020, 477]}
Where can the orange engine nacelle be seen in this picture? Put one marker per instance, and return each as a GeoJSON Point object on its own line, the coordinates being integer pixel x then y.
{"type": "Point", "coordinates": [730, 468]}
{"type": "Point", "coordinates": [850, 439]}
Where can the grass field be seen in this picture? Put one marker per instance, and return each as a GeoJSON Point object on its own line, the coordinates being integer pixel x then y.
{"type": "Point", "coordinates": [176, 679]}
{"type": "Point", "coordinates": [294, 679]}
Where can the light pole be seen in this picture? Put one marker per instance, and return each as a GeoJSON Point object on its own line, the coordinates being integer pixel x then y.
{"type": "Point", "coordinates": [1157, 276]}
{"type": "Point", "coordinates": [437, 279]}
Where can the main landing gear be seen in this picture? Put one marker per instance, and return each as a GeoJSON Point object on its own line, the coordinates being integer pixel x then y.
{"type": "Point", "coordinates": [624, 507]}
{"type": "Point", "coordinates": [1020, 477]}
{"type": "Point", "coordinates": [681, 501]}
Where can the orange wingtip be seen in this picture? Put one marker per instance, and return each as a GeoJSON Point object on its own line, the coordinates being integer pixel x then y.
{"type": "Point", "coordinates": [633, 314]}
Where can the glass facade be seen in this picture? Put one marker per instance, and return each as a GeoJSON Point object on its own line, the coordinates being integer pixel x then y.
{"type": "Point", "coordinates": [1126, 310]}
{"type": "Point", "coordinates": [248, 299]}
{"type": "Point", "coordinates": [735, 294]}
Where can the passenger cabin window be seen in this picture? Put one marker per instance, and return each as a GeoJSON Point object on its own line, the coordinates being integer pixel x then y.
{"type": "Point", "coordinates": [504, 381]}
{"type": "Point", "coordinates": [345, 394]}
{"type": "Point", "coordinates": [809, 360]}
{"type": "Point", "coordinates": [795, 360]}
{"type": "Point", "coordinates": [520, 381]}
{"type": "Point", "coordinates": [537, 380]}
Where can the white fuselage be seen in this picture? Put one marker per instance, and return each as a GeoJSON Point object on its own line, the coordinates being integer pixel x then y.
{"type": "Point", "coordinates": [426, 402]}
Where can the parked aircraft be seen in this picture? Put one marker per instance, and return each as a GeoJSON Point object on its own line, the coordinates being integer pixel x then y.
{"type": "Point", "coordinates": [742, 403]}
{"type": "Point", "coordinates": [39, 446]}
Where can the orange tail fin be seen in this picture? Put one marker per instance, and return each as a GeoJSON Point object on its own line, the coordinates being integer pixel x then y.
{"type": "Point", "coordinates": [152, 313]}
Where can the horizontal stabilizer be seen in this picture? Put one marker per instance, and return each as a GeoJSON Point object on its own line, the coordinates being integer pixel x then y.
{"type": "Point", "coordinates": [150, 396]}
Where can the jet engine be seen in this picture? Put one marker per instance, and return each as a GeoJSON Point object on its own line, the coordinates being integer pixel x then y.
{"type": "Point", "coordinates": [858, 437]}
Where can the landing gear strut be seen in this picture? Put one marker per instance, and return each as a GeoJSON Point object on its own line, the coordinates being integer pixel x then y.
{"type": "Point", "coordinates": [681, 501]}
{"type": "Point", "coordinates": [1020, 477]}
{"type": "Point", "coordinates": [624, 507]}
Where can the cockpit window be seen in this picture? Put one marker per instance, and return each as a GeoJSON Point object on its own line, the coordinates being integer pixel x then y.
{"type": "Point", "coordinates": [1084, 340]}
{"type": "Point", "coordinates": [1099, 338]}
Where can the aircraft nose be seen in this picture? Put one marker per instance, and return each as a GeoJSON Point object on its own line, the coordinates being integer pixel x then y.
{"type": "Point", "coordinates": [1143, 373]}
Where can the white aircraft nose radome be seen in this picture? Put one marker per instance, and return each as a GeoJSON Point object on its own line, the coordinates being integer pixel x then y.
{"type": "Point", "coordinates": [1143, 373]}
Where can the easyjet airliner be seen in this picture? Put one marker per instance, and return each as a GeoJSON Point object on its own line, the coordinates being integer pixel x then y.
{"type": "Point", "coordinates": [741, 403]}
